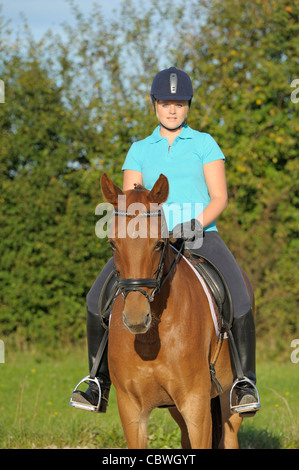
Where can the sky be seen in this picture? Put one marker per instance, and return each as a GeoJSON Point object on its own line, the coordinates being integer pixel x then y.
{"type": "Point", "coordinates": [42, 15]}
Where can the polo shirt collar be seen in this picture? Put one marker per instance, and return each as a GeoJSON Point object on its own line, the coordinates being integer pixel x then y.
{"type": "Point", "coordinates": [186, 133]}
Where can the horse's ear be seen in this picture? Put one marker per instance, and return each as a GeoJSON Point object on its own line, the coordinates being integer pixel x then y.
{"type": "Point", "coordinates": [110, 190]}
{"type": "Point", "coordinates": [160, 191]}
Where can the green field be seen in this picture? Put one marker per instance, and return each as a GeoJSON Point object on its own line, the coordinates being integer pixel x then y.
{"type": "Point", "coordinates": [35, 391]}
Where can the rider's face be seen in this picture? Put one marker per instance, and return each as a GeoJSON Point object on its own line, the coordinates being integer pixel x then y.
{"type": "Point", "coordinates": [172, 114]}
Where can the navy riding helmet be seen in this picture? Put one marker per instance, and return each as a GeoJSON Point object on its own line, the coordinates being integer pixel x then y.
{"type": "Point", "coordinates": [172, 84]}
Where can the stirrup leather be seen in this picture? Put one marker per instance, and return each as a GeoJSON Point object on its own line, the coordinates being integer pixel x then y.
{"type": "Point", "coordinates": [84, 406]}
{"type": "Point", "coordinates": [249, 407]}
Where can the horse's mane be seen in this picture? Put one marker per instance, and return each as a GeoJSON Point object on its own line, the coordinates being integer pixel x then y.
{"type": "Point", "coordinates": [139, 187]}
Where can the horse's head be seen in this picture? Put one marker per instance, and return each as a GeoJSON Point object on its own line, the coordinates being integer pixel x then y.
{"type": "Point", "coordinates": [138, 244]}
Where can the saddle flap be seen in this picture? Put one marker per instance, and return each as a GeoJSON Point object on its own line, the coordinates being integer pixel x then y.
{"type": "Point", "coordinates": [214, 283]}
{"type": "Point", "coordinates": [218, 289]}
{"type": "Point", "coordinates": [107, 297]}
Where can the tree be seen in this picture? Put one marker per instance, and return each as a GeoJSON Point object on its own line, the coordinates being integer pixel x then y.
{"type": "Point", "coordinates": [75, 104]}
{"type": "Point", "coordinates": [244, 60]}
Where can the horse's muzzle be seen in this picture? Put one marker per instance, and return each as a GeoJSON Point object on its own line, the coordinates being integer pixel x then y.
{"type": "Point", "coordinates": [139, 326]}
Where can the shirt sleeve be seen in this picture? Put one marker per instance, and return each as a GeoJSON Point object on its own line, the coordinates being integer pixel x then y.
{"type": "Point", "coordinates": [133, 159]}
{"type": "Point", "coordinates": [211, 150]}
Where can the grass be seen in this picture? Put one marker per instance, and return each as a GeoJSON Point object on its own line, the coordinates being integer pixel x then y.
{"type": "Point", "coordinates": [35, 391]}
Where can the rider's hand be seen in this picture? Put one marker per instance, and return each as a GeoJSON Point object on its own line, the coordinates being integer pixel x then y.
{"type": "Point", "coordinates": [188, 231]}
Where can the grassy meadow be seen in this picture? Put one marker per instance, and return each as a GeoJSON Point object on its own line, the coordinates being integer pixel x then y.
{"type": "Point", "coordinates": [35, 389]}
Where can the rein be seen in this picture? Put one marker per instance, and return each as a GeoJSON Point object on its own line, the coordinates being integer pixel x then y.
{"type": "Point", "coordinates": [126, 286]}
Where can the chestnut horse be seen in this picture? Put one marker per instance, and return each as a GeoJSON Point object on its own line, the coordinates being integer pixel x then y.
{"type": "Point", "coordinates": [162, 337]}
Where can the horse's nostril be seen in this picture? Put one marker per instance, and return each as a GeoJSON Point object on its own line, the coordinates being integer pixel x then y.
{"type": "Point", "coordinates": [135, 326]}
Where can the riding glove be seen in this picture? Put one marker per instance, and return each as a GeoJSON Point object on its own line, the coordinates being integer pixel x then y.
{"type": "Point", "coordinates": [188, 231]}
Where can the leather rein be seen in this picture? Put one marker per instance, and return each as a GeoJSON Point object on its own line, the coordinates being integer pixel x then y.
{"type": "Point", "coordinates": [125, 286]}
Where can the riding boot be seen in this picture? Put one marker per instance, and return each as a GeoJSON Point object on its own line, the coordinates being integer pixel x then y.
{"type": "Point", "coordinates": [89, 399]}
{"type": "Point", "coordinates": [243, 332]}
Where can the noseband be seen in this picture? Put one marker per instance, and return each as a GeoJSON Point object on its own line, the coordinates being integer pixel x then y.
{"type": "Point", "coordinates": [126, 286]}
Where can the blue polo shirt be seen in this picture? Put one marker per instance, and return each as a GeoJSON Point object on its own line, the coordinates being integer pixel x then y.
{"type": "Point", "coordinates": [182, 164]}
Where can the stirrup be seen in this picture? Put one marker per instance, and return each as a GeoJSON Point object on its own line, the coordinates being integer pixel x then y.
{"type": "Point", "coordinates": [250, 407]}
{"type": "Point", "coordinates": [84, 406]}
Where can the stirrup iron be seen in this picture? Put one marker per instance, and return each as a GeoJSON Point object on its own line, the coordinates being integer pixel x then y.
{"type": "Point", "coordinates": [84, 406]}
{"type": "Point", "coordinates": [250, 407]}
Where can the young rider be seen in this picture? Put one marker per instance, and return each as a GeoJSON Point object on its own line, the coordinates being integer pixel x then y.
{"type": "Point", "coordinates": [194, 166]}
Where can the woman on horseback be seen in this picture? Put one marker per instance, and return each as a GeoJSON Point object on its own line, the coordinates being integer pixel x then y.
{"type": "Point", "coordinates": [194, 165]}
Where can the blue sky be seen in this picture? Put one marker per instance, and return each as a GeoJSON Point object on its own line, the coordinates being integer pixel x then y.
{"type": "Point", "coordinates": [42, 15]}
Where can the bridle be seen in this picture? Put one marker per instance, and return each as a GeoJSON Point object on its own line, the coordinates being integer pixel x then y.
{"type": "Point", "coordinates": [125, 286]}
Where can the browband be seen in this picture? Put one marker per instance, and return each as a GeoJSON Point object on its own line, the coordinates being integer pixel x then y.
{"type": "Point", "coordinates": [140, 214]}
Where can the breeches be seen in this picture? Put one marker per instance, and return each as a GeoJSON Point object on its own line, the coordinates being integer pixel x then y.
{"type": "Point", "coordinates": [215, 250]}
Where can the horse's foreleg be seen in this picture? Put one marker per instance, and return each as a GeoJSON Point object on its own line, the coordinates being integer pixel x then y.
{"type": "Point", "coordinates": [197, 415]}
{"type": "Point", "coordinates": [134, 423]}
{"type": "Point", "coordinates": [230, 424]}
{"type": "Point", "coordinates": [185, 441]}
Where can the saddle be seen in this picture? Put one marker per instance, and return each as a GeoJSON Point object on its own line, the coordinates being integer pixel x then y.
{"type": "Point", "coordinates": [106, 299]}
{"type": "Point", "coordinates": [217, 286]}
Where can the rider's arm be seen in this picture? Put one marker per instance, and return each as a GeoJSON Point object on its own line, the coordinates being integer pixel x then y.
{"type": "Point", "coordinates": [215, 179]}
{"type": "Point", "coordinates": [131, 177]}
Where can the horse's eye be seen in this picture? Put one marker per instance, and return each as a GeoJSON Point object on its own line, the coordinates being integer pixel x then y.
{"type": "Point", "coordinates": [159, 245]}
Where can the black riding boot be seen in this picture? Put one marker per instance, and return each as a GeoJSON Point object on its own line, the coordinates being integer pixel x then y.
{"type": "Point", "coordinates": [89, 399]}
{"type": "Point", "coordinates": [243, 332]}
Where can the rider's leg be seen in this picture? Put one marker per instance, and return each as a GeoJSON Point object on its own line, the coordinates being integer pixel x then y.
{"type": "Point", "coordinates": [90, 397]}
{"type": "Point", "coordinates": [243, 330]}
{"type": "Point", "coordinates": [95, 333]}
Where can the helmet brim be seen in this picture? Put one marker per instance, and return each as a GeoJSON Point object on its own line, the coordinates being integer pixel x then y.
{"type": "Point", "coordinates": [172, 97]}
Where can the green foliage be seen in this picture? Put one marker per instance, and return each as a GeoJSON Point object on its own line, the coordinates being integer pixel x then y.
{"type": "Point", "coordinates": [73, 106]}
